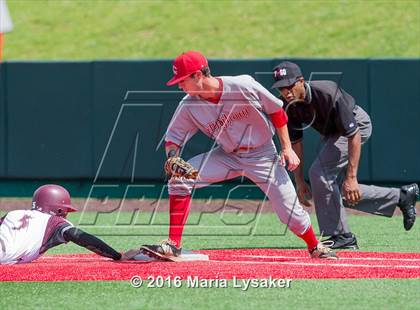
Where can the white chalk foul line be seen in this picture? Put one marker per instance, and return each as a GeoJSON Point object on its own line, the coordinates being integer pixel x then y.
{"type": "Point", "coordinates": [318, 264]}
{"type": "Point", "coordinates": [341, 258]}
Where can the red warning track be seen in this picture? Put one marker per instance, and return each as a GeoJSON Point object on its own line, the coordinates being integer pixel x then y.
{"type": "Point", "coordinates": [223, 264]}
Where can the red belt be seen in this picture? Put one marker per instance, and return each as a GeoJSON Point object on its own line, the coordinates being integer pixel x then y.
{"type": "Point", "coordinates": [246, 148]}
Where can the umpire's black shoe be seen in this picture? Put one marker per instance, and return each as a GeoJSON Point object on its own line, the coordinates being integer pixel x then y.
{"type": "Point", "coordinates": [342, 241]}
{"type": "Point", "coordinates": [407, 204]}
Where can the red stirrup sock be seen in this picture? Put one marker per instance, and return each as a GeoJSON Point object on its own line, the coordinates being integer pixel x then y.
{"type": "Point", "coordinates": [310, 238]}
{"type": "Point", "coordinates": [179, 207]}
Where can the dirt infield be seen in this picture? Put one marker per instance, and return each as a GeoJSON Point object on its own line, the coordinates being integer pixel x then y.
{"type": "Point", "coordinates": [223, 264]}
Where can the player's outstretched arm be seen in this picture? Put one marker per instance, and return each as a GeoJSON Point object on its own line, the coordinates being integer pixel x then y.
{"type": "Point", "coordinates": [91, 243]}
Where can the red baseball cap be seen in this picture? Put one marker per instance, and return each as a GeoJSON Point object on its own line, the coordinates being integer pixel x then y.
{"type": "Point", "coordinates": [186, 64]}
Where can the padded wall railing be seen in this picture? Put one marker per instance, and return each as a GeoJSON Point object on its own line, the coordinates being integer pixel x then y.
{"type": "Point", "coordinates": [105, 119]}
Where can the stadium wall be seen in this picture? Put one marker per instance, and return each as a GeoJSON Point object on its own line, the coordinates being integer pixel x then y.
{"type": "Point", "coordinates": [104, 120]}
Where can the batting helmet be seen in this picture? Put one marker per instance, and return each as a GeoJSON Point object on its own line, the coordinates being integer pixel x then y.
{"type": "Point", "coordinates": [52, 199]}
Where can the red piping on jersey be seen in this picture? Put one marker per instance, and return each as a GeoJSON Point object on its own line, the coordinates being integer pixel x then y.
{"type": "Point", "coordinates": [279, 118]}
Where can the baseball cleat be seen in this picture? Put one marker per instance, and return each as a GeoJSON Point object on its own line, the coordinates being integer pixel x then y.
{"type": "Point", "coordinates": [166, 250]}
{"type": "Point", "coordinates": [345, 241]}
{"type": "Point", "coordinates": [407, 204]}
{"type": "Point", "coordinates": [323, 251]}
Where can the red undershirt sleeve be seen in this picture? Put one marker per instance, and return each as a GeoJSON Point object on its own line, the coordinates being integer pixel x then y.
{"type": "Point", "coordinates": [279, 118]}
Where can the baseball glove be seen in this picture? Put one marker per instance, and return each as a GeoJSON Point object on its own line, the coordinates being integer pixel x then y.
{"type": "Point", "coordinates": [176, 167]}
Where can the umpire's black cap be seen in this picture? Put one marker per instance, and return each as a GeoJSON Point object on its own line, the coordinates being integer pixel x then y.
{"type": "Point", "coordinates": [286, 74]}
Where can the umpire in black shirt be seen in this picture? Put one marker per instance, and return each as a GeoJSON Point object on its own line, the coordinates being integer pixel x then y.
{"type": "Point", "coordinates": [344, 127]}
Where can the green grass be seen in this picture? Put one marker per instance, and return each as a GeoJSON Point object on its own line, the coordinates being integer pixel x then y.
{"type": "Point", "coordinates": [314, 294]}
{"type": "Point", "coordinates": [374, 234]}
{"type": "Point", "coordinates": [99, 29]}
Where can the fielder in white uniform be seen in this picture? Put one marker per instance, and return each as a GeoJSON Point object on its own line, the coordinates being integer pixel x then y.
{"type": "Point", "coordinates": [27, 234]}
{"type": "Point", "coordinates": [242, 117]}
